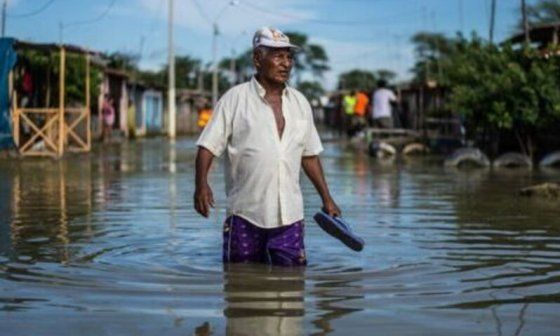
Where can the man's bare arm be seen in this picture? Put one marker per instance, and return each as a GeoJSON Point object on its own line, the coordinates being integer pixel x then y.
{"type": "Point", "coordinates": [313, 169]}
{"type": "Point", "coordinates": [203, 197]}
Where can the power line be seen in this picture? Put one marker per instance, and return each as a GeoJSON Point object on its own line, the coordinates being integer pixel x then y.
{"type": "Point", "coordinates": [94, 20]}
{"type": "Point", "coordinates": [34, 12]}
{"type": "Point", "coordinates": [318, 21]}
{"type": "Point", "coordinates": [202, 12]}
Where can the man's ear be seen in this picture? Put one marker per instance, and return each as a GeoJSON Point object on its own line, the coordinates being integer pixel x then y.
{"type": "Point", "coordinates": [256, 61]}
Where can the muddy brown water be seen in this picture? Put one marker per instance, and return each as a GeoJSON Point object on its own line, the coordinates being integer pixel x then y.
{"type": "Point", "coordinates": [108, 243]}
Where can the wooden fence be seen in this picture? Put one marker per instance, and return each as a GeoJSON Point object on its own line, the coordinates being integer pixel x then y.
{"type": "Point", "coordinates": [52, 131]}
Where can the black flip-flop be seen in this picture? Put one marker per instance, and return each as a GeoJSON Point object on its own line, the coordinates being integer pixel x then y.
{"type": "Point", "coordinates": [338, 228]}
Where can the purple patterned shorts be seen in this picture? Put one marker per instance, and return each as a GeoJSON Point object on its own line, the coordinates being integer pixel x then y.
{"type": "Point", "coordinates": [245, 242]}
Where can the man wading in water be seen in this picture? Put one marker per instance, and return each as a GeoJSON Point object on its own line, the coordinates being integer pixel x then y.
{"type": "Point", "coordinates": [266, 129]}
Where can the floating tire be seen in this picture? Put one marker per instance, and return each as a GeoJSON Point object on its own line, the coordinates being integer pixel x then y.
{"type": "Point", "coordinates": [551, 160]}
{"type": "Point", "coordinates": [415, 148]}
{"type": "Point", "coordinates": [464, 155]}
{"type": "Point", "coordinates": [513, 159]}
{"type": "Point", "coordinates": [381, 149]}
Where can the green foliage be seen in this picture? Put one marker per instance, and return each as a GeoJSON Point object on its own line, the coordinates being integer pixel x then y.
{"type": "Point", "coordinates": [544, 11]}
{"type": "Point", "coordinates": [123, 61]}
{"type": "Point", "coordinates": [153, 78]}
{"type": "Point", "coordinates": [76, 79]}
{"type": "Point", "coordinates": [310, 58]}
{"type": "Point", "coordinates": [187, 68]}
{"type": "Point", "coordinates": [431, 49]}
{"type": "Point", "coordinates": [243, 65]}
{"type": "Point", "coordinates": [45, 67]}
{"type": "Point", "coordinates": [311, 89]}
{"type": "Point", "coordinates": [501, 89]}
{"type": "Point", "coordinates": [357, 80]}
{"type": "Point", "coordinates": [186, 73]}
{"type": "Point", "coordinates": [386, 75]}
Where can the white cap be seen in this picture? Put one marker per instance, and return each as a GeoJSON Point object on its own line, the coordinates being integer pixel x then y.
{"type": "Point", "coordinates": [272, 38]}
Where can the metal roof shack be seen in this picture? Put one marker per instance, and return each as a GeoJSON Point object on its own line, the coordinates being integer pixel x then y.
{"type": "Point", "coordinates": [542, 35]}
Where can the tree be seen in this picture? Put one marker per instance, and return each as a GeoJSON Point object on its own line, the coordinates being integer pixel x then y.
{"type": "Point", "coordinates": [544, 11]}
{"type": "Point", "coordinates": [312, 90]}
{"type": "Point", "coordinates": [153, 78]}
{"type": "Point", "coordinates": [310, 58]}
{"type": "Point", "coordinates": [243, 65]}
{"type": "Point", "coordinates": [124, 61]}
{"type": "Point", "coordinates": [357, 80]}
{"type": "Point", "coordinates": [187, 69]}
{"type": "Point", "coordinates": [186, 73]}
{"type": "Point", "coordinates": [386, 75]}
{"type": "Point", "coordinates": [501, 90]}
{"type": "Point", "coordinates": [430, 49]}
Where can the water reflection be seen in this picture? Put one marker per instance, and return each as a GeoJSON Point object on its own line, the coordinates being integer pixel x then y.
{"type": "Point", "coordinates": [264, 300]}
{"type": "Point", "coordinates": [337, 294]}
{"type": "Point", "coordinates": [58, 191]}
{"type": "Point", "coordinates": [111, 238]}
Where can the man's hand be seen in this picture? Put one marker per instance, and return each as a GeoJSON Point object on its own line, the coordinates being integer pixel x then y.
{"type": "Point", "coordinates": [330, 207]}
{"type": "Point", "coordinates": [312, 167]}
{"type": "Point", "coordinates": [203, 199]}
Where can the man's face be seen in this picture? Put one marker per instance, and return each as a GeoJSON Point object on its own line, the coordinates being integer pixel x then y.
{"type": "Point", "coordinates": [276, 64]}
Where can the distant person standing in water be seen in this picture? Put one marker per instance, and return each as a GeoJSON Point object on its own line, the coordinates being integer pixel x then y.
{"type": "Point", "coordinates": [266, 129]}
{"type": "Point", "coordinates": [108, 116]}
{"type": "Point", "coordinates": [382, 99]}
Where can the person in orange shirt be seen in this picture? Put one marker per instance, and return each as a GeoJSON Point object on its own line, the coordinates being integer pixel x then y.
{"type": "Point", "coordinates": [360, 111]}
{"type": "Point", "coordinates": [204, 116]}
{"type": "Point", "coordinates": [362, 102]}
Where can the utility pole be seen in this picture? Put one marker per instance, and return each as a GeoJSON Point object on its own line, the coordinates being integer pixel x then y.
{"type": "Point", "coordinates": [215, 34]}
{"type": "Point", "coordinates": [60, 32]}
{"type": "Point", "coordinates": [4, 7]}
{"type": "Point", "coordinates": [214, 65]}
{"type": "Point", "coordinates": [461, 17]}
{"type": "Point", "coordinates": [232, 67]}
{"type": "Point", "coordinates": [492, 21]}
{"type": "Point", "coordinates": [171, 76]}
{"type": "Point", "coordinates": [525, 21]}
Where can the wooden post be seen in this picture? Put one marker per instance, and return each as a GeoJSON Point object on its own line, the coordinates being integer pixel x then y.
{"type": "Point", "coordinates": [15, 115]}
{"type": "Point", "coordinates": [61, 89]}
{"type": "Point", "coordinates": [525, 22]}
{"type": "Point", "coordinates": [88, 102]}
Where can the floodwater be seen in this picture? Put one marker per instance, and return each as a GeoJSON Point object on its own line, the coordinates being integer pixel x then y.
{"type": "Point", "coordinates": [108, 243]}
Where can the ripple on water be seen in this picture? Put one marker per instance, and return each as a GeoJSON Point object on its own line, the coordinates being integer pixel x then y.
{"type": "Point", "coordinates": [447, 252]}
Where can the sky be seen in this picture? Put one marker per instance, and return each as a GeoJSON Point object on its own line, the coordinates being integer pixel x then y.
{"type": "Point", "coordinates": [356, 34]}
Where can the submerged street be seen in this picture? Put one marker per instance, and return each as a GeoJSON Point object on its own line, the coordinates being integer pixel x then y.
{"type": "Point", "coordinates": [110, 243]}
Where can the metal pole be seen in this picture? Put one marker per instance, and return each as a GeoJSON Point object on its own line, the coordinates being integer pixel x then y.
{"type": "Point", "coordinates": [461, 17]}
{"type": "Point", "coordinates": [492, 20]}
{"type": "Point", "coordinates": [171, 75]}
{"type": "Point", "coordinates": [88, 104]}
{"type": "Point", "coordinates": [61, 102]}
{"type": "Point", "coordinates": [232, 67]}
{"type": "Point", "coordinates": [4, 6]}
{"type": "Point", "coordinates": [525, 21]}
{"type": "Point", "coordinates": [61, 32]}
{"type": "Point", "coordinates": [214, 66]}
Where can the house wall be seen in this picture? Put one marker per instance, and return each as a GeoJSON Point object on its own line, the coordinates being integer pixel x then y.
{"type": "Point", "coordinates": [152, 107]}
{"type": "Point", "coordinates": [123, 108]}
{"type": "Point", "coordinates": [187, 116]}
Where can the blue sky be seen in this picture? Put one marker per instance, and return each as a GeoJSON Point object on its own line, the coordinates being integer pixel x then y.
{"type": "Point", "coordinates": [364, 34]}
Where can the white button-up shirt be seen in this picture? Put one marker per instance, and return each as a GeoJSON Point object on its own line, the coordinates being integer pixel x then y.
{"type": "Point", "coordinates": [262, 169]}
